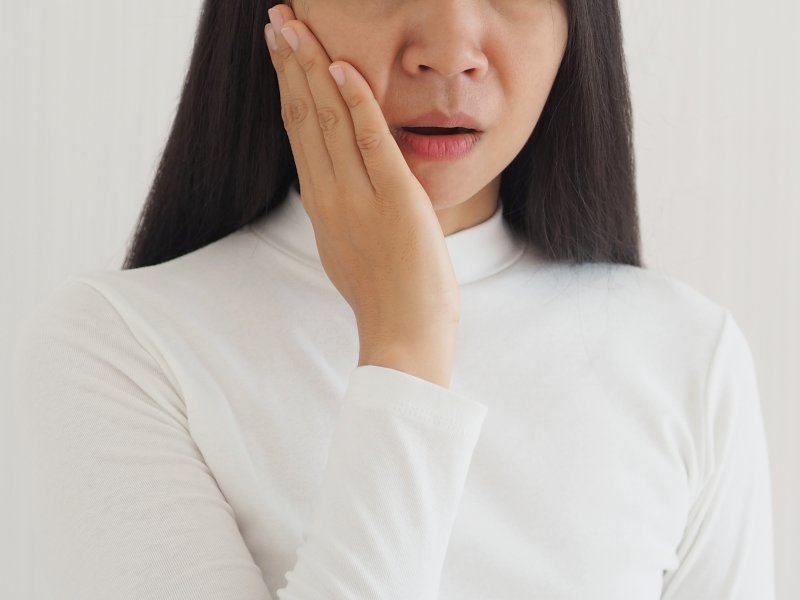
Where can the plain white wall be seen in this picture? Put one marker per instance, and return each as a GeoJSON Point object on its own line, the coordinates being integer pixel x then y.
{"type": "Point", "coordinates": [89, 89]}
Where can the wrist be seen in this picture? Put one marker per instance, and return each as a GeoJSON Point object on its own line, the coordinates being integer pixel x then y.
{"type": "Point", "coordinates": [430, 361]}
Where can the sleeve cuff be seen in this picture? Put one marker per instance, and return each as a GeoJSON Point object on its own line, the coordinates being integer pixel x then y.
{"type": "Point", "coordinates": [406, 395]}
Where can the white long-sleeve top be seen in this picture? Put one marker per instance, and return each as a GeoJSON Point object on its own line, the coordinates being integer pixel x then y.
{"type": "Point", "coordinates": [200, 430]}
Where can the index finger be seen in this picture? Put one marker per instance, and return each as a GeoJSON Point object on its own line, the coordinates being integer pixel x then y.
{"type": "Point", "coordinates": [386, 166]}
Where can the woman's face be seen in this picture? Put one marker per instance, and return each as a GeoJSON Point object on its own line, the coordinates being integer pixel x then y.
{"type": "Point", "coordinates": [494, 60]}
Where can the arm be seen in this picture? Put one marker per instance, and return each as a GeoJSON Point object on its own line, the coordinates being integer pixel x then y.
{"type": "Point", "coordinates": [727, 549]}
{"type": "Point", "coordinates": [120, 500]}
{"type": "Point", "coordinates": [392, 486]}
{"type": "Point", "coordinates": [124, 506]}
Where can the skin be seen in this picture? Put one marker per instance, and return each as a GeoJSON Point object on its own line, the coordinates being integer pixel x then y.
{"type": "Point", "coordinates": [493, 59]}
{"type": "Point", "coordinates": [376, 213]}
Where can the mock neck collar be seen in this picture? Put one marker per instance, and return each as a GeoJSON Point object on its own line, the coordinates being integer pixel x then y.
{"type": "Point", "coordinates": [476, 252]}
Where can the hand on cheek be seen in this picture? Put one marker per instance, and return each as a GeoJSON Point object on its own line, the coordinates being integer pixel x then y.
{"type": "Point", "coordinates": [378, 236]}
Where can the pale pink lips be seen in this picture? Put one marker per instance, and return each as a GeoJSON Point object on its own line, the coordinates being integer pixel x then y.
{"type": "Point", "coordinates": [437, 147]}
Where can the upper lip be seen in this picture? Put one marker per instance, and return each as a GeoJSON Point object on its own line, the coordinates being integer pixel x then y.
{"type": "Point", "coordinates": [437, 118]}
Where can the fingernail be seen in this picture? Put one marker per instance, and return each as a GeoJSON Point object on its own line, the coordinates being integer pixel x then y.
{"type": "Point", "coordinates": [291, 37]}
{"type": "Point", "coordinates": [275, 18]}
{"type": "Point", "coordinates": [273, 43]}
{"type": "Point", "coordinates": [338, 74]}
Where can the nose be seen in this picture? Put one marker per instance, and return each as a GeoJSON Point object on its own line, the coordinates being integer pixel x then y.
{"type": "Point", "coordinates": [445, 36]}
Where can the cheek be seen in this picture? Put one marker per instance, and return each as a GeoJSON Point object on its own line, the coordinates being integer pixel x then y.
{"type": "Point", "coordinates": [533, 58]}
{"type": "Point", "coordinates": [339, 37]}
{"type": "Point", "coordinates": [366, 49]}
{"type": "Point", "coordinates": [542, 37]}
{"type": "Point", "coordinates": [528, 69]}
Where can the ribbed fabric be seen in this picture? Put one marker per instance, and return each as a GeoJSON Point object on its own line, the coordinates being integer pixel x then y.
{"type": "Point", "coordinates": [200, 430]}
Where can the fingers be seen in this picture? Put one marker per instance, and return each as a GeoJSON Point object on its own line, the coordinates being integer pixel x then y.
{"type": "Point", "coordinates": [296, 105]}
{"type": "Point", "coordinates": [384, 161]}
{"type": "Point", "coordinates": [315, 117]}
{"type": "Point", "coordinates": [341, 133]}
{"type": "Point", "coordinates": [333, 121]}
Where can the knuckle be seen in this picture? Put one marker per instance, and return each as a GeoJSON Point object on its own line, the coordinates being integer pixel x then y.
{"type": "Point", "coordinates": [285, 116]}
{"type": "Point", "coordinates": [369, 140]}
{"type": "Point", "coordinates": [354, 101]}
{"type": "Point", "coordinates": [284, 54]}
{"type": "Point", "coordinates": [277, 65]}
{"type": "Point", "coordinates": [294, 112]}
{"type": "Point", "coordinates": [307, 64]}
{"type": "Point", "coordinates": [329, 119]}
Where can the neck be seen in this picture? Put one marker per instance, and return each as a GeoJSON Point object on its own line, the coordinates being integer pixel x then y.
{"type": "Point", "coordinates": [470, 212]}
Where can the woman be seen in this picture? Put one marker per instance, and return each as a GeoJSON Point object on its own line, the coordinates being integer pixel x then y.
{"type": "Point", "coordinates": [354, 356]}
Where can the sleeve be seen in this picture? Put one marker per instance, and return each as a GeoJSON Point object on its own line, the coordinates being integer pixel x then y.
{"type": "Point", "coordinates": [123, 505]}
{"type": "Point", "coordinates": [120, 503]}
{"type": "Point", "coordinates": [727, 548]}
{"type": "Point", "coordinates": [395, 474]}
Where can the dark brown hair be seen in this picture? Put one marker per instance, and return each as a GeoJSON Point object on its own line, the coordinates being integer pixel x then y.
{"type": "Point", "coordinates": [571, 189]}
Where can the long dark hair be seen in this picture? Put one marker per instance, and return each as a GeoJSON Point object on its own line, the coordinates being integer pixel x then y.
{"type": "Point", "coordinates": [570, 190]}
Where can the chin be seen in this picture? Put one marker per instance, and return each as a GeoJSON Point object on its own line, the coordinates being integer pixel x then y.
{"type": "Point", "coordinates": [448, 198]}
{"type": "Point", "coordinates": [442, 187]}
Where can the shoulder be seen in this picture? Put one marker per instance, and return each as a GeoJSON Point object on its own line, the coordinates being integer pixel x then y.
{"type": "Point", "coordinates": [147, 305]}
{"type": "Point", "coordinates": [659, 294]}
{"type": "Point", "coordinates": [644, 313]}
{"type": "Point", "coordinates": [157, 292]}
{"type": "Point", "coordinates": [68, 313]}
{"type": "Point", "coordinates": [638, 293]}
{"type": "Point", "coordinates": [74, 327]}
{"type": "Point", "coordinates": [76, 343]}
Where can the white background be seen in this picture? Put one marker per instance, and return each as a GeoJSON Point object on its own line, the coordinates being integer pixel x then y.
{"type": "Point", "coordinates": [90, 87]}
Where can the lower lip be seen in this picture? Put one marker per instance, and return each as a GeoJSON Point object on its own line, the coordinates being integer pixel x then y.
{"type": "Point", "coordinates": [438, 147]}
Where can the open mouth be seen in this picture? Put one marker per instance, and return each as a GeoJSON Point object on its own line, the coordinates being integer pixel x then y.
{"type": "Point", "coordinates": [437, 143]}
{"type": "Point", "coordinates": [438, 130]}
